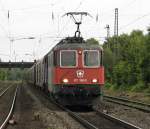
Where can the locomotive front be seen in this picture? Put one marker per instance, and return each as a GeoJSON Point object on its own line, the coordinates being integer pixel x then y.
{"type": "Point", "coordinates": [79, 74]}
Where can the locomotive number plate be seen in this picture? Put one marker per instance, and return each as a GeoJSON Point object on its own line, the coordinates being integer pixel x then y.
{"type": "Point", "coordinates": [80, 80]}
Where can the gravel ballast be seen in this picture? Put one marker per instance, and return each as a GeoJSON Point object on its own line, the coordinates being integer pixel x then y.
{"type": "Point", "coordinates": [34, 111]}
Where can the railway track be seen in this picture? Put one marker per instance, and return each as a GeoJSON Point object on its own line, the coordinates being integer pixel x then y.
{"type": "Point", "coordinates": [4, 91]}
{"type": "Point", "coordinates": [2, 87]}
{"type": "Point", "coordinates": [4, 123]}
{"type": "Point", "coordinates": [134, 104]}
{"type": "Point", "coordinates": [93, 119]}
{"type": "Point", "coordinates": [96, 120]}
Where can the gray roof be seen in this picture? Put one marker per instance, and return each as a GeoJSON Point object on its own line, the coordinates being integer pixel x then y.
{"type": "Point", "coordinates": [75, 42]}
{"type": "Point", "coordinates": [77, 45]}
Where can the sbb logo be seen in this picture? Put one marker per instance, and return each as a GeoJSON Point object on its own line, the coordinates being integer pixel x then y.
{"type": "Point", "coordinates": [80, 73]}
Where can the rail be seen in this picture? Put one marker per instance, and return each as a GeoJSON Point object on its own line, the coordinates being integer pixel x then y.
{"type": "Point", "coordinates": [118, 121]}
{"type": "Point", "coordinates": [3, 126]}
{"type": "Point", "coordinates": [3, 92]}
{"type": "Point", "coordinates": [82, 121]}
{"type": "Point", "coordinates": [134, 104]}
{"type": "Point", "coordinates": [88, 124]}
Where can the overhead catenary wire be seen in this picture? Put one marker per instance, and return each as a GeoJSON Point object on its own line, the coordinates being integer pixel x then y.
{"type": "Point", "coordinates": [28, 8]}
{"type": "Point", "coordinates": [80, 3]}
{"type": "Point", "coordinates": [61, 29]}
{"type": "Point", "coordinates": [4, 54]}
{"type": "Point", "coordinates": [5, 32]}
{"type": "Point", "coordinates": [23, 9]}
{"type": "Point", "coordinates": [124, 6]}
{"type": "Point", "coordinates": [3, 9]}
{"type": "Point", "coordinates": [127, 5]}
{"type": "Point", "coordinates": [134, 21]}
{"type": "Point", "coordinates": [1, 26]}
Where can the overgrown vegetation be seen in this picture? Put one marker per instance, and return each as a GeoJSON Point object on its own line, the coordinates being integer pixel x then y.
{"type": "Point", "coordinates": [11, 74]}
{"type": "Point", "coordinates": [127, 61]}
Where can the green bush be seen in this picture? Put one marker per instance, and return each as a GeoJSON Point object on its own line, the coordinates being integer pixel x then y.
{"type": "Point", "coordinates": [127, 61]}
{"type": "Point", "coordinates": [138, 87]}
{"type": "Point", "coordinates": [107, 85]}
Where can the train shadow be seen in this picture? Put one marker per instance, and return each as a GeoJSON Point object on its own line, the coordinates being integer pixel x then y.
{"type": "Point", "coordinates": [46, 101]}
{"type": "Point", "coordinates": [80, 108]}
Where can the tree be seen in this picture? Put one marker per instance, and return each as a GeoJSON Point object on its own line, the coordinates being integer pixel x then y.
{"type": "Point", "coordinates": [108, 63]}
{"type": "Point", "coordinates": [128, 58]}
{"type": "Point", "coordinates": [92, 41]}
{"type": "Point", "coordinates": [145, 65]}
{"type": "Point", "coordinates": [148, 29]}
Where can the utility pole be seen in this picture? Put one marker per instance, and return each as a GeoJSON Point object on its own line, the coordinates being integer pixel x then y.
{"type": "Point", "coordinates": [116, 22]}
{"type": "Point", "coordinates": [116, 32]}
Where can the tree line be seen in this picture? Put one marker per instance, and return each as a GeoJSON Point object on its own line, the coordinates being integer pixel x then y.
{"type": "Point", "coordinates": [11, 74]}
{"type": "Point", "coordinates": [127, 60]}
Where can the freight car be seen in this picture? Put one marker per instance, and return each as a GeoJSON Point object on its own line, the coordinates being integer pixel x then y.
{"type": "Point", "coordinates": [72, 73]}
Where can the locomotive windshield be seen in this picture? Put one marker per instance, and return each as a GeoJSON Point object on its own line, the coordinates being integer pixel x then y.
{"type": "Point", "coordinates": [68, 58]}
{"type": "Point", "coordinates": [91, 58]}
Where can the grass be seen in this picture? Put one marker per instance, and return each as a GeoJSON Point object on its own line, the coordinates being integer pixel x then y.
{"type": "Point", "coordinates": [137, 92]}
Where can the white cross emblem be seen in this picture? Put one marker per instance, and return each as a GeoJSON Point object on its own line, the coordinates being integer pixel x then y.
{"type": "Point", "coordinates": [80, 73]}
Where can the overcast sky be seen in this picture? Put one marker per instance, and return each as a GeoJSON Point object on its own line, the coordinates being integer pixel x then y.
{"type": "Point", "coordinates": [34, 18]}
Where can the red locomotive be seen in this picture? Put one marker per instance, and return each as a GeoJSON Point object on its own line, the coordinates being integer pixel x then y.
{"type": "Point", "coordinates": [72, 72]}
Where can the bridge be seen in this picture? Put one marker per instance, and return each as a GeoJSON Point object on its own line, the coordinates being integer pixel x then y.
{"type": "Point", "coordinates": [16, 64]}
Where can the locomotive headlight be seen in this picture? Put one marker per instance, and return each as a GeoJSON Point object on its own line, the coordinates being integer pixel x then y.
{"type": "Point", "coordinates": [94, 80]}
{"type": "Point", "coordinates": [65, 80]}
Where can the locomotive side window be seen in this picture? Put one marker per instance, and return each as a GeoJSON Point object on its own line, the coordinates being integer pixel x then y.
{"type": "Point", "coordinates": [68, 58]}
{"type": "Point", "coordinates": [91, 58]}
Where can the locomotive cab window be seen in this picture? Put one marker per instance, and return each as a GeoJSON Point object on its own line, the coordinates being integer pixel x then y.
{"type": "Point", "coordinates": [91, 58]}
{"type": "Point", "coordinates": [68, 58]}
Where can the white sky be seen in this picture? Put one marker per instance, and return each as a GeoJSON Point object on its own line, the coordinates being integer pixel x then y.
{"type": "Point", "coordinates": [34, 18]}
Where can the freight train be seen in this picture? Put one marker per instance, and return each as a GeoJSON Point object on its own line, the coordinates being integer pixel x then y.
{"type": "Point", "coordinates": [72, 73]}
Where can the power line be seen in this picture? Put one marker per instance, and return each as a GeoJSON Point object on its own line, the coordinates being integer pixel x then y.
{"type": "Point", "coordinates": [34, 7]}
{"type": "Point", "coordinates": [4, 54]}
{"type": "Point", "coordinates": [127, 5]}
{"type": "Point", "coordinates": [1, 26]}
{"type": "Point", "coordinates": [3, 9]}
{"type": "Point", "coordinates": [124, 6]}
{"type": "Point", "coordinates": [27, 8]}
{"type": "Point", "coordinates": [135, 20]}
{"type": "Point", "coordinates": [80, 3]}
{"type": "Point", "coordinates": [5, 32]}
